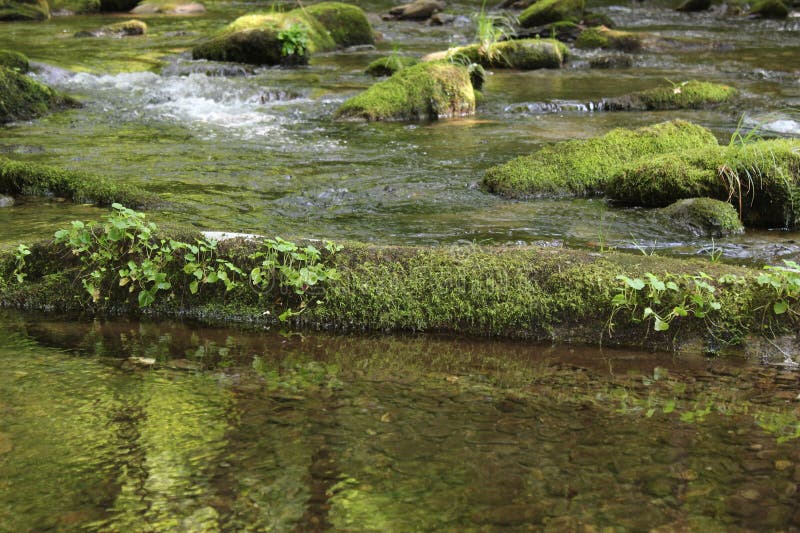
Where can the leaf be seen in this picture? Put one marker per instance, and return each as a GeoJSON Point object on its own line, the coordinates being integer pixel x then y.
{"type": "Point", "coordinates": [193, 287]}
{"type": "Point", "coordinates": [669, 406]}
{"type": "Point", "coordinates": [635, 283]}
{"type": "Point", "coordinates": [660, 325]}
{"type": "Point", "coordinates": [146, 298]}
{"type": "Point", "coordinates": [650, 412]}
{"type": "Point", "coordinates": [780, 307]}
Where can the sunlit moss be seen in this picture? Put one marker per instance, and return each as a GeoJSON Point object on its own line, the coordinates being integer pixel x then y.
{"type": "Point", "coordinates": [23, 98]}
{"type": "Point", "coordinates": [545, 11]}
{"type": "Point", "coordinates": [688, 95]}
{"type": "Point", "coordinates": [602, 37]}
{"type": "Point", "coordinates": [386, 66]}
{"type": "Point", "coordinates": [522, 54]}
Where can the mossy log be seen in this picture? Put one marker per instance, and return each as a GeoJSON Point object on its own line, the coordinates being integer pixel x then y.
{"type": "Point", "coordinates": [689, 95]}
{"type": "Point", "coordinates": [546, 11]}
{"type": "Point", "coordinates": [23, 98]}
{"type": "Point", "coordinates": [19, 178]}
{"type": "Point", "coordinates": [582, 167]}
{"type": "Point", "coordinates": [259, 38]}
{"type": "Point", "coordinates": [521, 54]}
{"type": "Point", "coordinates": [516, 292]}
{"type": "Point", "coordinates": [427, 91]}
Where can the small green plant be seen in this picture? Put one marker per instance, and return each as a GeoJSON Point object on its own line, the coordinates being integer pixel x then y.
{"type": "Point", "coordinates": [784, 283]}
{"type": "Point", "coordinates": [205, 268]}
{"type": "Point", "coordinates": [491, 29]}
{"type": "Point", "coordinates": [294, 40]}
{"type": "Point", "coordinates": [20, 254]}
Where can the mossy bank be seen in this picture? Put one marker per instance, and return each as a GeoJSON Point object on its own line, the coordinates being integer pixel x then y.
{"type": "Point", "coordinates": [23, 98]}
{"type": "Point", "coordinates": [517, 292]}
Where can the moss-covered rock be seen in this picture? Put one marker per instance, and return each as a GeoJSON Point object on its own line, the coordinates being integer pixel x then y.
{"type": "Point", "coordinates": [23, 98]}
{"type": "Point", "coordinates": [522, 54]}
{"type": "Point", "coordinates": [24, 10]}
{"type": "Point", "coordinates": [705, 217]}
{"type": "Point", "coordinates": [288, 38]}
{"type": "Point", "coordinates": [168, 7]}
{"type": "Point", "coordinates": [386, 66]}
{"type": "Point", "coordinates": [127, 28]}
{"type": "Point", "coordinates": [546, 11]}
{"type": "Point", "coordinates": [14, 61]}
{"type": "Point", "coordinates": [582, 167]}
{"type": "Point", "coordinates": [688, 95]}
{"type": "Point", "coordinates": [427, 91]}
{"type": "Point", "coordinates": [417, 10]}
{"type": "Point", "coordinates": [689, 6]}
{"type": "Point", "coordinates": [761, 179]}
{"type": "Point", "coordinates": [770, 9]}
{"type": "Point", "coordinates": [19, 178]}
{"type": "Point", "coordinates": [602, 37]}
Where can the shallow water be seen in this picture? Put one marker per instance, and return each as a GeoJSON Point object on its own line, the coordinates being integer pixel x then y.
{"type": "Point", "coordinates": [256, 150]}
{"type": "Point", "coordinates": [123, 426]}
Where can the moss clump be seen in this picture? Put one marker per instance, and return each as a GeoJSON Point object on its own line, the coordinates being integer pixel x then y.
{"type": "Point", "coordinates": [770, 9]}
{"type": "Point", "coordinates": [688, 95]}
{"type": "Point", "coordinates": [30, 179]}
{"type": "Point", "coordinates": [704, 217]}
{"type": "Point", "coordinates": [546, 11]}
{"type": "Point", "coordinates": [427, 91]}
{"type": "Point", "coordinates": [386, 66]}
{"type": "Point", "coordinates": [24, 10]}
{"type": "Point", "coordinates": [602, 37]}
{"type": "Point", "coordinates": [582, 167]}
{"type": "Point", "coordinates": [23, 98]}
{"type": "Point", "coordinates": [120, 29]}
{"type": "Point", "coordinates": [14, 61]}
{"type": "Point", "coordinates": [522, 54]}
{"type": "Point", "coordinates": [260, 38]}
{"type": "Point", "coordinates": [761, 179]}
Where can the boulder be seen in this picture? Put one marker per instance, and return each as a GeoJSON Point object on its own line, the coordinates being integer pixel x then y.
{"type": "Point", "coordinates": [127, 28]}
{"type": "Point", "coordinates": [522, 54]}
{"type": "Point", "coordinates": [427, 91]}
{"type": "Point", "coordinates": [583, 167]}
{"type": "Point", "coordinates": [288, 38]}
{"type": "Point", "coordinates": [704, 217]}
{"type": "Point", "coordinates": [24, 10]}
{"type": "Point", "coordinates": [603, 37]}
{"type": "Point", "coordinates": [688, 95]}
{"type": "Point", "coordinates": [417, 10]}
{"type": "Point", "coordinates": [23, 98]}
{"type": "Point", "coordinates": [546, 11]}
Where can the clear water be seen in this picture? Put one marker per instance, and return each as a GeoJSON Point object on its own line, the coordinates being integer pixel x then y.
{"type": "Point", "coordinates": [258, 152]}
{"type": "Point", "coordinates": [123, 426]}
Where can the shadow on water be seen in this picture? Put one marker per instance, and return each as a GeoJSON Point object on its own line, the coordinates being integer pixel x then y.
{"type": "Point", "coordinates": [138, 426]}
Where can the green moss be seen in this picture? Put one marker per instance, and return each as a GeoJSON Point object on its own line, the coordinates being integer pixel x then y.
{"type": "Point", "coordinates": [386, 66]}
{"type": "Point", "coordinates": [256, 38]}
{"type": "Point", "coordinates": [704, 217]}
{"type": "Point", "coordinates": [771, 9]}
{"type": "Point", "coordinates": [522, 54]}
{"type": "Point", "coordinates": [31, 179]}
{"type": "Point", "coordinates": [426, 91]}
{"type": "Point", "coordinates": [546, 11]}
{"type": "Point", "coordinates": [602, 37]}
{"type": "Point", "coordinates": [14, 61]}
{"type": "Point", "coordinates": [120, 29]}
{"type": "Point", "coordinates": [582, 167]}
{"type": "Point", "coordinates": [24, 10]}
{"type": "Point", "coordinates": [761, 179]}
{"type": "Point", "coordinates": [23, 98]}
{"type": "Point", "coordinates": [689, 95]}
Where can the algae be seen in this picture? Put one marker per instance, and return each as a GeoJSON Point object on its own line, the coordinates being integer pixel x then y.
{"type": "Point", "coordinates": [427, 91]}
{"type": "Point", "coordinates": [583, 167]}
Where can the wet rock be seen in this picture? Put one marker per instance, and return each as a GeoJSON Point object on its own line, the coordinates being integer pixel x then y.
{"type": "Point", "coordinates": [603, 37]}
{"type": "Point", "coordinates": [687, 95]}
{"type": "Point", "coordinates": [127, 28]}
{"type": "Point", "coordinates": [6, 201]}
{"type": "Point", "coordinates": [546, 11]}
{"type": "Point", "coordinates": [441, 19]}
{"type": "Point", "coordinates": [521, 54]}
{"type": "Point", "coordinates": [611, 62]}
{"type": "Point", "coordinates": [418, 10]}
{"type": "Point", "coordinates": [153, 8]}
{"type": "Point", "coordinates": [704, 217]}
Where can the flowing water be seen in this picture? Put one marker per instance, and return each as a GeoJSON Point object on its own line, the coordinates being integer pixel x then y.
{"type": "Point", "coordinates": [122, 426]}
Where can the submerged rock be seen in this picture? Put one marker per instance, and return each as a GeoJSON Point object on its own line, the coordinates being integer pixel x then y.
{"type": "Point", "coordinates": [427, 91]}
{"type": "Point", "coordinates": [522, 54]}
{"type": "Point", "coordinates": [23, 98]}
{"type": "Point", "coordinates": [288, 38]}
{"type": "Point", "coordinates": [386, 66]}
{"type": "Point", "coordinates": [417, 10]}
{"type": "Point", "coordinates": [24, 10]}
{"type": "Point", "coordinates": [611, 62]}
{"type": "Point", "coordinates": [583, 167]}
{"type": "Point", "coordinates": [14, 61]}
{"type": "Point", "coordinates": [127, 28]}
{"type": "Point", "coordinates": [705, 217]}
{"type": "Point", "coordinates": [688, 95]}
{"type": "Point", "coordinates": [546, 11]}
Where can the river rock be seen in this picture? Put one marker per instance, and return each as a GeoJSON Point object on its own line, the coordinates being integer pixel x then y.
{"type": "Point", "coordinates": [127, 28]}
{"type": "Point", "coordinates": [6, 201]}
{"type": "Point", "coordinates": [520, 54]}
{"type": "Point", "coordinates": [152, 8]}
{"type": "Point", "coordinates": [546, 11]}
{"type": "Point", "coordinates": [417, 10]}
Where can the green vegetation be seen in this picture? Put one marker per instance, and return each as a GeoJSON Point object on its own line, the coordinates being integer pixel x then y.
{"type": "Point", "coordinates": [771, 9]}
{"type": "Point", "coordinates": [546, 11]}
{"type": "Point", "coordinates": [386, 66]}
{"type": "Point", "coordinates": [24, 10]}
{"type": "Point", "coordinates": [602, 37]}
{"type": "Point", "coordinates": [427, 91]}
{"type": "Point", "coordinates": [522, 54]}
{"type": "Point", "coordinates": [687, 95]}
{"type": "Point", "coordinates": [23, 98]}
{"type": "Point", "coordinates": [276, 37]}
{"type": "Point", "coordinates": [14, 61]}
{"type": "Point", "coordinates": [490, 30]}
{"type": "Point", "coordinates": [31, 179]}
{"type": "Point", "coordinates": [583, 167]}
{"type": "Point", "coordinates": [704, 216]}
